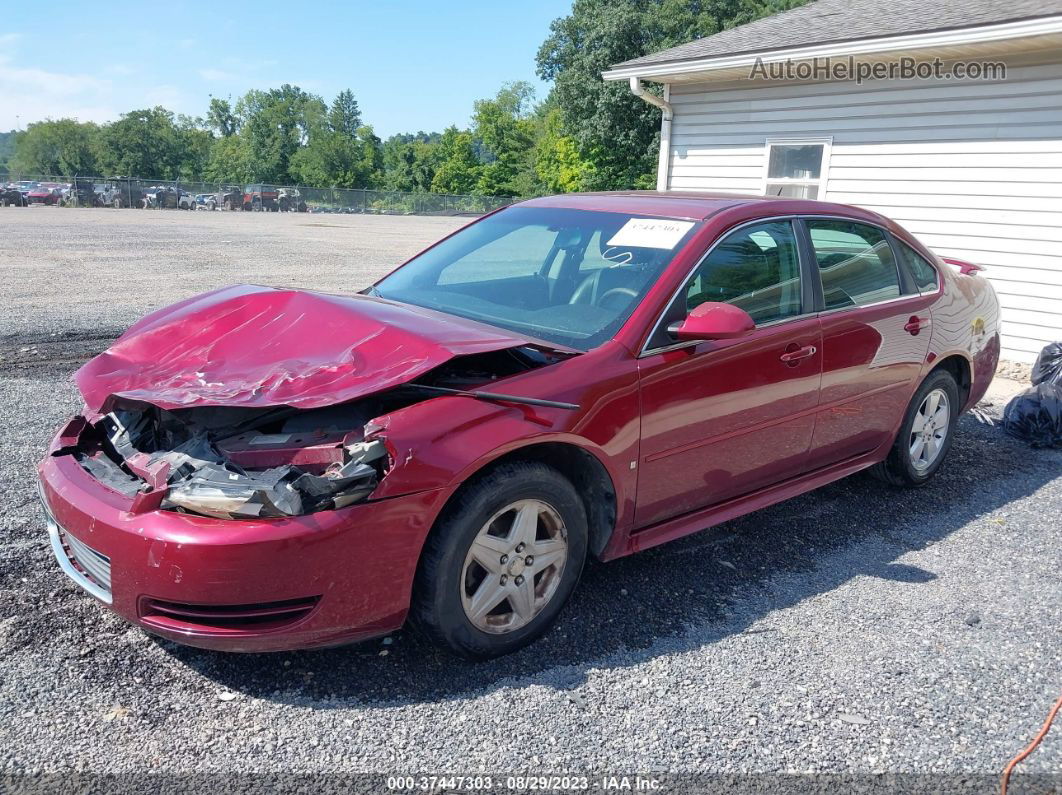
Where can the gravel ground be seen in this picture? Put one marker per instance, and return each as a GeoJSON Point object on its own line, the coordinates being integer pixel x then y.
{"type": "Point", "coordinates": [857, 629]}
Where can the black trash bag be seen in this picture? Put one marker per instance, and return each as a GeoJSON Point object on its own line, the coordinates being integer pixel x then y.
{"type": "Point", "coordinates": [1035, 415]}
{"type": "Point", "coordinates": [1048, 367]}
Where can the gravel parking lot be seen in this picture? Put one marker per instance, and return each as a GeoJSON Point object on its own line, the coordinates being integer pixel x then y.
{"type": "Point", "coordinates": [858, 629]}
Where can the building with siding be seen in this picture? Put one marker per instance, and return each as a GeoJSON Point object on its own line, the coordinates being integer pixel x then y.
{"type": "Point", "coordinates": [970, 165]}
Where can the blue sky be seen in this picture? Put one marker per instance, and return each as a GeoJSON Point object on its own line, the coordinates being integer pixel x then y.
{"type": "Point", "coordinates": [412, 64]}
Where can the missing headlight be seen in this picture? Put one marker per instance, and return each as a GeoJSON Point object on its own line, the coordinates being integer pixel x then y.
{"type": "Point", "coordinates": [261, 472]}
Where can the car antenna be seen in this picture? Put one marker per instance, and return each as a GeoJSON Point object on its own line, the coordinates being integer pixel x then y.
{"type": "Point", "coordinates": [495, 396]}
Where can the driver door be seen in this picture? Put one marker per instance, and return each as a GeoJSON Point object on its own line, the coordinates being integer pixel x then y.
{"type": "Point", "coordinates": [725, 418]}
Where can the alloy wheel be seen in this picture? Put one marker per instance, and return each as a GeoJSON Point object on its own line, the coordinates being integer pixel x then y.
{"type": "Point", "coordinates": [929, 430]}
{"type": "Point", "coordinates": [514, 566]}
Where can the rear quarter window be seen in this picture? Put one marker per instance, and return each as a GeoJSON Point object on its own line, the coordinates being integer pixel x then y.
{"type": "Point", "coordinates": [922, 273]}
{"type": "Point", "coordinates": [854, 262]}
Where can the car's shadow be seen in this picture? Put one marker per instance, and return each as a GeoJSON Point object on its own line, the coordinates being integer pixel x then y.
{"type": "Point", "coordinates": [679, 596]}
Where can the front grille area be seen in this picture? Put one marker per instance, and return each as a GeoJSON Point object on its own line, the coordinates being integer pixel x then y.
{"type": "Point", "coordinates": [81, 563]}
{"type": "Point", "coordinates": [225, 619]}
{"type": "Point", "coordinates": [94, 565]}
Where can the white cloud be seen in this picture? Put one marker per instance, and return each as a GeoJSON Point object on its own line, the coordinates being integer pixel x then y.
{"type": "Point", "coordinates": [187, 44]}
{"type": "Point", "coordinates": [31, 94]}
{"type": "Point", "coordinates": [217, 76]}
{"type": "Point", "coordinates": [170, 97]}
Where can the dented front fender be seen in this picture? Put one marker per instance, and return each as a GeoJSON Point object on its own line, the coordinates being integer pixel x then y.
{"type": "Point", "coordinates": [442, 442]}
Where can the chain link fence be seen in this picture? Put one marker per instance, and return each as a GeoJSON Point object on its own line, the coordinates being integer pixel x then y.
{"type": "Point", "coordinates": [140, 193]}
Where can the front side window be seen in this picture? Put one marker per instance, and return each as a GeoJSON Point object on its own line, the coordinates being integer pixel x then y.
{"type": "Point", "coordinates": [796, 169]}
{"type": "Point", "coordinates": [563, 275]}
{"type": "Point", "coordinates": [756, 269]}
{"type": "Point", "coordinates": [855, 263]}
{"type": "Point", "coordinates": [924, 274]}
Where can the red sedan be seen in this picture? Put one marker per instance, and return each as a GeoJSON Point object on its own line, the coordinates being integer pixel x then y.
{"type": "Point", "coordinates": [44, 194]}
{"type": "Point", "coordinates": [584, 375]}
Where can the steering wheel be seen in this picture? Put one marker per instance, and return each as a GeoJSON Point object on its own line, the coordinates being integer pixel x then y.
{"type": "Point", "coordinates": [627, 291]}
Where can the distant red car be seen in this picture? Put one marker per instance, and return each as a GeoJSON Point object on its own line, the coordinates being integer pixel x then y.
{"type": "Point", "coordinates": [44, 195]}
{"type": "Point", "coordinates": [263, 469]}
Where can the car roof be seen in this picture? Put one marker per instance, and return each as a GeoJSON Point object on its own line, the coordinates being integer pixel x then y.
{"type": "Point", "coordinates": [692, 205]}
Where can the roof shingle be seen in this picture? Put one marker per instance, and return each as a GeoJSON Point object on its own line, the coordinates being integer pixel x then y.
{"type": "Point", "coordinates": [822, 21]}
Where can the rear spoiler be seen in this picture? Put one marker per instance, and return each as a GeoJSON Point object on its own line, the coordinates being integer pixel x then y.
{"type": "Point", "coordinates": [965, 268]}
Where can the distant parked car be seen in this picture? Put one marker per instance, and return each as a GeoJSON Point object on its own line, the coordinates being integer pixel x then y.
{"type": "Point", "coordinates": [185, 201]}
{"type": "Point", "coordinates": [25, 186]}
{"type": "Point", "coordinates": [202, 200]}
{"type": "Point", "coordinates": [121, 192]}
{"type": "Point", "coordinates": [44, 195]}
{"type": "Point", "coordinates": [229, 197]}
{"type": "Point", "coordinates": [291, 201]}
{"type": "Point", "coordinates": [82, 193]}
{"type": "Point", "coordinates": [260, 197]}
{"type": "Point", "coordinates": [11, 196]}
{"type": "Point", "coordinates": [161, 197]}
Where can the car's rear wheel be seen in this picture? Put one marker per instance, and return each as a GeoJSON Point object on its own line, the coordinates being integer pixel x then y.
{"type": "Point", "coordinates": [501, 562]}
{"type": "Point", "coordinates": [925, 435]}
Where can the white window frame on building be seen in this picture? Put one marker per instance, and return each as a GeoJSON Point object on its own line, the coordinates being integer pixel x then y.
{"type": "Point", "coordinates": [771, 184]}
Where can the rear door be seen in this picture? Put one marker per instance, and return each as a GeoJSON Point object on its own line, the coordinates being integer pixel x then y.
{"type": "Point", "coordinates": [727, 417]}
{"type": "Point", "coordinates": [875, 338]}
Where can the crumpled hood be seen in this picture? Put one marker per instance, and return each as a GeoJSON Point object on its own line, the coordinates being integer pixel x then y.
{"type": "Point", "coordinates": [258, 346]}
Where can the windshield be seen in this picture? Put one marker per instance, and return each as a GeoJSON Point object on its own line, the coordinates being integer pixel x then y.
{"type": "Point", "coordinates": [567, 276]}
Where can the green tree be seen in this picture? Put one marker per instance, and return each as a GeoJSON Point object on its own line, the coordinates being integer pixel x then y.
{"type": "Point", "coordinates": [222, 118]}
{"type": "Point", "coordinates": [7, 148]}
{"type": "Point", "coordinates": [340, 151]}
{"type": "Point", "coordinates": [62, 147]}
{"type": "Point", "coordinates": [228, 161]}
{"type": "Point", "coordinates": [344, 117]}
{"type": "Point", "coordinates": [615, 132]}
{"type": "Point", "coordinates": [142, 143]}
{"type": "Point", "coordinates": [194, 144]}
{"type": "Point", "coordinates": [274, 125]}
{"type": "Point", "coordinates": [506, 126]}
{"type": "Point", "coordinates": [558, 166]}
{"type": "Point", "coordinates": [371, 156]}
{"type": "Point", "coordinates": [459, 168]}
{"type": "Point", "coordinates": [410, 161]}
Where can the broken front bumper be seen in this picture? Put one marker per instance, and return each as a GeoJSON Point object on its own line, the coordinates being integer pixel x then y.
{"type": "Point", "coordinates": [238, 585]}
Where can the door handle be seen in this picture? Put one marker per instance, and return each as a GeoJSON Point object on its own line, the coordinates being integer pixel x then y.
{"type": "Point", "coordinates": [790, 357]}
{"type": "Point", "coordinates": [915, 324]}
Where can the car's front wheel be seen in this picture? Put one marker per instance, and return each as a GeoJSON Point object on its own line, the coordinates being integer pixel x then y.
{"type": "Point", "coordinates": [925, 435]}
{"type": "Point", "coordinates": [501, 562]}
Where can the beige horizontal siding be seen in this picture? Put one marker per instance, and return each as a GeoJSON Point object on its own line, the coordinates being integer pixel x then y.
{"type": "Point", "coordinates": [972, 169]}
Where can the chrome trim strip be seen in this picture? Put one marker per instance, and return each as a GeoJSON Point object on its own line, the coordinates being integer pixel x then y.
{"type": "Point", "coordinates": [765, 219]}
{"type": "Point", "coordinates": [68, 567]}
{"type": "Point", "coordinates": [96, 564]}
{"type": "Point", "coordinates": [103, 594]}
{"type": "Point", "coordinates": [887, 301]}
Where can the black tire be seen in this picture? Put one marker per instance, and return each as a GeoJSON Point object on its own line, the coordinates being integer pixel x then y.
{"type": "Point", "coordinates": [898, 469]}
{"type": "Point", "coordinates": [437, 608]}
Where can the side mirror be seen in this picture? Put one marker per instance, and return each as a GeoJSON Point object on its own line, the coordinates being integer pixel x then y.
{"type": "Point", "coordinates": [714, 321]}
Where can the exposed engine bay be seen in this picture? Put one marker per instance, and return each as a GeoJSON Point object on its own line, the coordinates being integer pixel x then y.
{"type": "Point", "coordinates": [239, 462]}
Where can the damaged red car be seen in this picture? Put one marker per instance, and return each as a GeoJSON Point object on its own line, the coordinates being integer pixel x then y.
{"type": "Point", "coordinates": [588, 375]}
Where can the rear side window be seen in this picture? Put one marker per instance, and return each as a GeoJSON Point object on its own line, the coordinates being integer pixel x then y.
{"type": "Point", "coordinates": [854, 262]}
{"type": "Point", "coordinates": [756, 268]}
{"type": "Point", "coordinates": [923, 274]}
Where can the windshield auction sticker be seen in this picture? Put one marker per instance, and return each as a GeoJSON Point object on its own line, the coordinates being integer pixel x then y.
{"type": "Point", "coordinates": [650, 233]}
